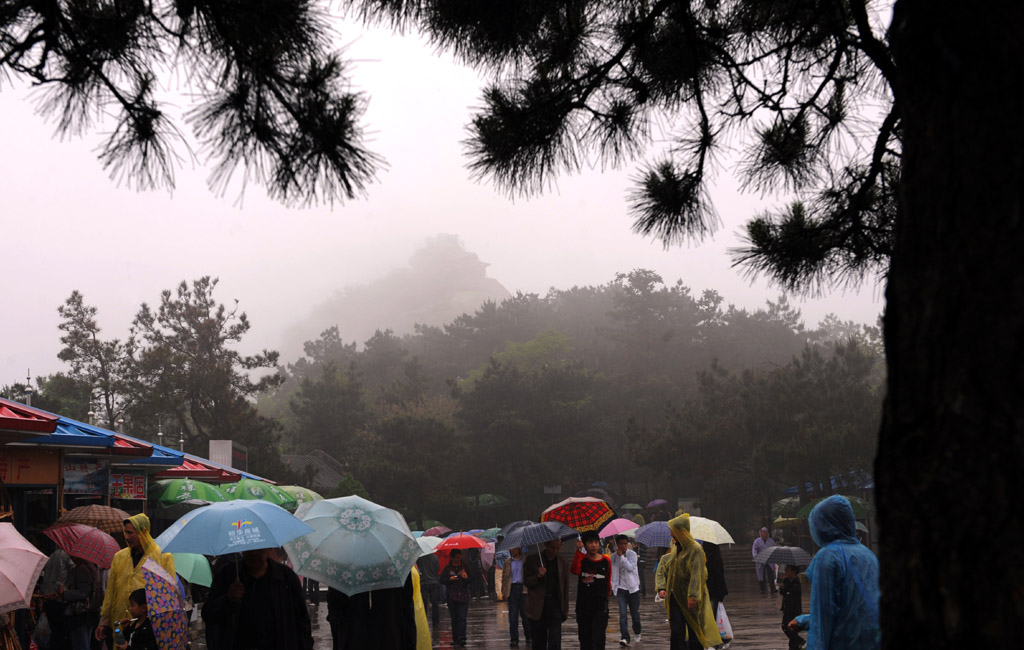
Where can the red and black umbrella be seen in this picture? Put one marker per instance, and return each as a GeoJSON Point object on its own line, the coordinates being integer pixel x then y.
{"type": "Point", "coordinates": [581, 513]}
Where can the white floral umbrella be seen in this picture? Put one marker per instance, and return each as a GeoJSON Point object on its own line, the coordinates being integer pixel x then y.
{"type": "Point", "coordinates": [356, 545]}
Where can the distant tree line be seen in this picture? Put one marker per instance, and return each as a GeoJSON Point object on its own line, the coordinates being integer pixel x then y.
{"type": "Point", "coordinates": [636, 383]}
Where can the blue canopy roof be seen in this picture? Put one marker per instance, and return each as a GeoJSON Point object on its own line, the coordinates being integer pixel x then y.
{"type": "Point", "coordinates": [852, 480]}
{"type": "Point", "coordinates": [76, 434]}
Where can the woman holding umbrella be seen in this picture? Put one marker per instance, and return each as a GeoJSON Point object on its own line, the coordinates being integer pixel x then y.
{"type": "Point", "coordinates": [126, 571]}
{"type": "Point", "coordinates": [455, 577]}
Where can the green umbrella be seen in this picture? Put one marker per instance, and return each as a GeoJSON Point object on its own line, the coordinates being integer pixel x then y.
{"type": "Point", "coordinates": [174, 491]}
{"type": "Point", "coordinates": [254, 490]}
{"type": "Point", "coordinates": [301, 494]}
{"type": "Point", "coordinates": [632, 506]}
{"type": "Point", "coordinates": [787, 507]}
{"type": "Point", "coordinates": [193, 567]}
{"type": "Point", "coordinates": [491, 532]}
{"type": "Point", "coordinates": [861, 508]}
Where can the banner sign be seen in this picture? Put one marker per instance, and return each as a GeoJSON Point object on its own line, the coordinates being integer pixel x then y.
{"type": "Point", "coordinates": [86, 476]}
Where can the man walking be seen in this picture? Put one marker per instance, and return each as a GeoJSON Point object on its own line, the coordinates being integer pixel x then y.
{"type": "Point", "coordinates": [626, 587]}
{"type": "Point", "coordinates": [546, 577]}
{"type": "Point", "coordinates": [430, 567]}
{"type": "Point", "coordinates": [764, 571]}
{"type": "Point", "coordinates": [260, 604]}
{"type": "Point", "coordinates": [512, 592]}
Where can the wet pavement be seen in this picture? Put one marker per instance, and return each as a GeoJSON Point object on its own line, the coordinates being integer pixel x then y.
{"type": "Point", "coordinates": [755, 619]}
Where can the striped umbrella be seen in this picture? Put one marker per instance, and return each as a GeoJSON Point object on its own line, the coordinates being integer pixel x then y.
{"type": "Point", "coordinates": [85, 542]}
{"type": "Point", "coordinates": [581, 513]}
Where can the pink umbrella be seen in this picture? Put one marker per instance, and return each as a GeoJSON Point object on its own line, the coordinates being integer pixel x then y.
{"type": "Point", "coordinates": [617, 527]}
{"type": "Point", "coordinates": [20, 566]}
{"type": "Point", "coordinates": [85, 542]}
{"type": "Point", "coordinates": [487, 556]}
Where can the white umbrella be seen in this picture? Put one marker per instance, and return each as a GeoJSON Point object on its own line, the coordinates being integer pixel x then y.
{"type": "Point", "coordinates": [428, 543]}
{"type": "Point", "coordinates": [709, 530]}
{"type": "Point", "coordinates": [20, 566]}
{"type": "Point", "coordinates": [355, 546]}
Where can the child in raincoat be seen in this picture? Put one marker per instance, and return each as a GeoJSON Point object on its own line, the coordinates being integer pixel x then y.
{"type": "Point", "coordinates": [844, 583]}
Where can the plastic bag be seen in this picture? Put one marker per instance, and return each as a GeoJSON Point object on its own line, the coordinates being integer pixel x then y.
{"type": "Point", "coordinates": [724, 626]}
{"type": "Point", "coordinates": [41, 635]}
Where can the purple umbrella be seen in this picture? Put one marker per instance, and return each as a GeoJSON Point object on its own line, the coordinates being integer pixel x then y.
{"type": "Point", "coordinates": [657, 502]}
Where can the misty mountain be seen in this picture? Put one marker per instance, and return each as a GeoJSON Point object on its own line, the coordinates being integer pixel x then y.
{"type": "Point", "coordinates": [443, 281]}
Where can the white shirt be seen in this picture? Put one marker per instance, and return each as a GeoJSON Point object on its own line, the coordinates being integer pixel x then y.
{"type": "Point", "coordinates": [624, 572]}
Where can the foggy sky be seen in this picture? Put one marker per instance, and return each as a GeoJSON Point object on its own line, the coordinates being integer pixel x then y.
{"type": "Point", "coordinates": [66, 226]}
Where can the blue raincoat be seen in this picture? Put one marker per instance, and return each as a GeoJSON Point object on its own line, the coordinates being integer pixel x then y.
{"type": "Point", "coordinates": [844, 583]}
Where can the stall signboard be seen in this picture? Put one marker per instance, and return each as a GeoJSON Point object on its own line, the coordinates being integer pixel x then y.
{"type": "Point", "coordinates": [27, 466]}
{"type": "Point", "coordinates": [83, 475]}
{"type": "Point", "coordinates": [128, 485]}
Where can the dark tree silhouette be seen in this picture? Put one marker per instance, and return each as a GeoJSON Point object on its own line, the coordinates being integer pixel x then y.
{"type": "Point", "coordinates": [929, 193]}
{"type": "Point", "coordinates": [267, 95]}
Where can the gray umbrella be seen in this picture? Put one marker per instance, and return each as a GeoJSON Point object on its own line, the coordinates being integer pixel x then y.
{"type": "Point", "coordinates": [784, 555]}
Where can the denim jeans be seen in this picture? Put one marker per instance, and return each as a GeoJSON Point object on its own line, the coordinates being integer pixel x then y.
{"type": "Point", "coordinates": [458, 613]}
{"type": "Point", "coordinates": [632, 602]}
{"type": "Point", "coordinates": [430, 593]}
{"type": "Point", "coordinates": [80, 636]}
{"type": "Point", "coordinates": [516, 611]}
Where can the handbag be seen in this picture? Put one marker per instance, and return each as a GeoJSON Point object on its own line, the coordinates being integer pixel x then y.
{"type": "Point", "coordinates": [724, 626]}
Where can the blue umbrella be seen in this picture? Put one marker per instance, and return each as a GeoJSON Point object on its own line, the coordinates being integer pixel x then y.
{"type": "Point", "coordinates": [546, 531]}
{"type": "Point", "coordinates": [355, 545]}
{"type": "Point", "coordinates": [231, 527]}
{"type": "Point", "coordinates": [655, 533]}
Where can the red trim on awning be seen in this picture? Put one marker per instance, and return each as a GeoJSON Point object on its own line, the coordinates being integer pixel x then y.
{"type": "Point", "coordinates": [125, 447]}
{"type": "Point", "coordinates": [195, 469]}
{"type": "Point", "coordinates": [19, 417]}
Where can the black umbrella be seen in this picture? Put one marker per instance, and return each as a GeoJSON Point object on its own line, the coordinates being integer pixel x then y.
{"type": "Point", "coordinates": [784, 555]}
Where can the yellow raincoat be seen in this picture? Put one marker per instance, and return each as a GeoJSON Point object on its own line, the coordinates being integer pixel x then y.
{"type": "Point", "coordinates": [422, 631]}
{"type": "Point", "coordinates": [125, 577]}
{"type": "Point", "coordinates": [686, 577]}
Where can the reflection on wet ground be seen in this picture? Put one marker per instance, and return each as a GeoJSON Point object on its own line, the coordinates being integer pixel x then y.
{"type": "Point", "coordinates": [755, 619]}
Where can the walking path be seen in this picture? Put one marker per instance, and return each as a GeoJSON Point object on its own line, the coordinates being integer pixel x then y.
{"type": "Point", "coordinates": [755, 619]}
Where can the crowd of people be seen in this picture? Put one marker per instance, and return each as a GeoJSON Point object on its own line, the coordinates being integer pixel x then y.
{"type": "Point", "coordinates": [257, 602]}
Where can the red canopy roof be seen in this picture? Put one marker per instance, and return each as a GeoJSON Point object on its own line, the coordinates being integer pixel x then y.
{"type": "Point", "coordinates": [18, 421]}
{"type": "Point", "coordinates": [195, 468]}
{"type": "Point", "coordinates": [124, 446]}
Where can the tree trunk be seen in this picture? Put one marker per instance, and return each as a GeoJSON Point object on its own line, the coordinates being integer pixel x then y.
{"type": "Point", "coordinates": [950, 465]}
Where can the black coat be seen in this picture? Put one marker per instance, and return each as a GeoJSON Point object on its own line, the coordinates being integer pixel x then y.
{"type": "Point", "coordinates": [716, 572]}
{"type": "Point", "coordinates": [383, 619]}
{"type": "Point", "coordinates": [292, 627]}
